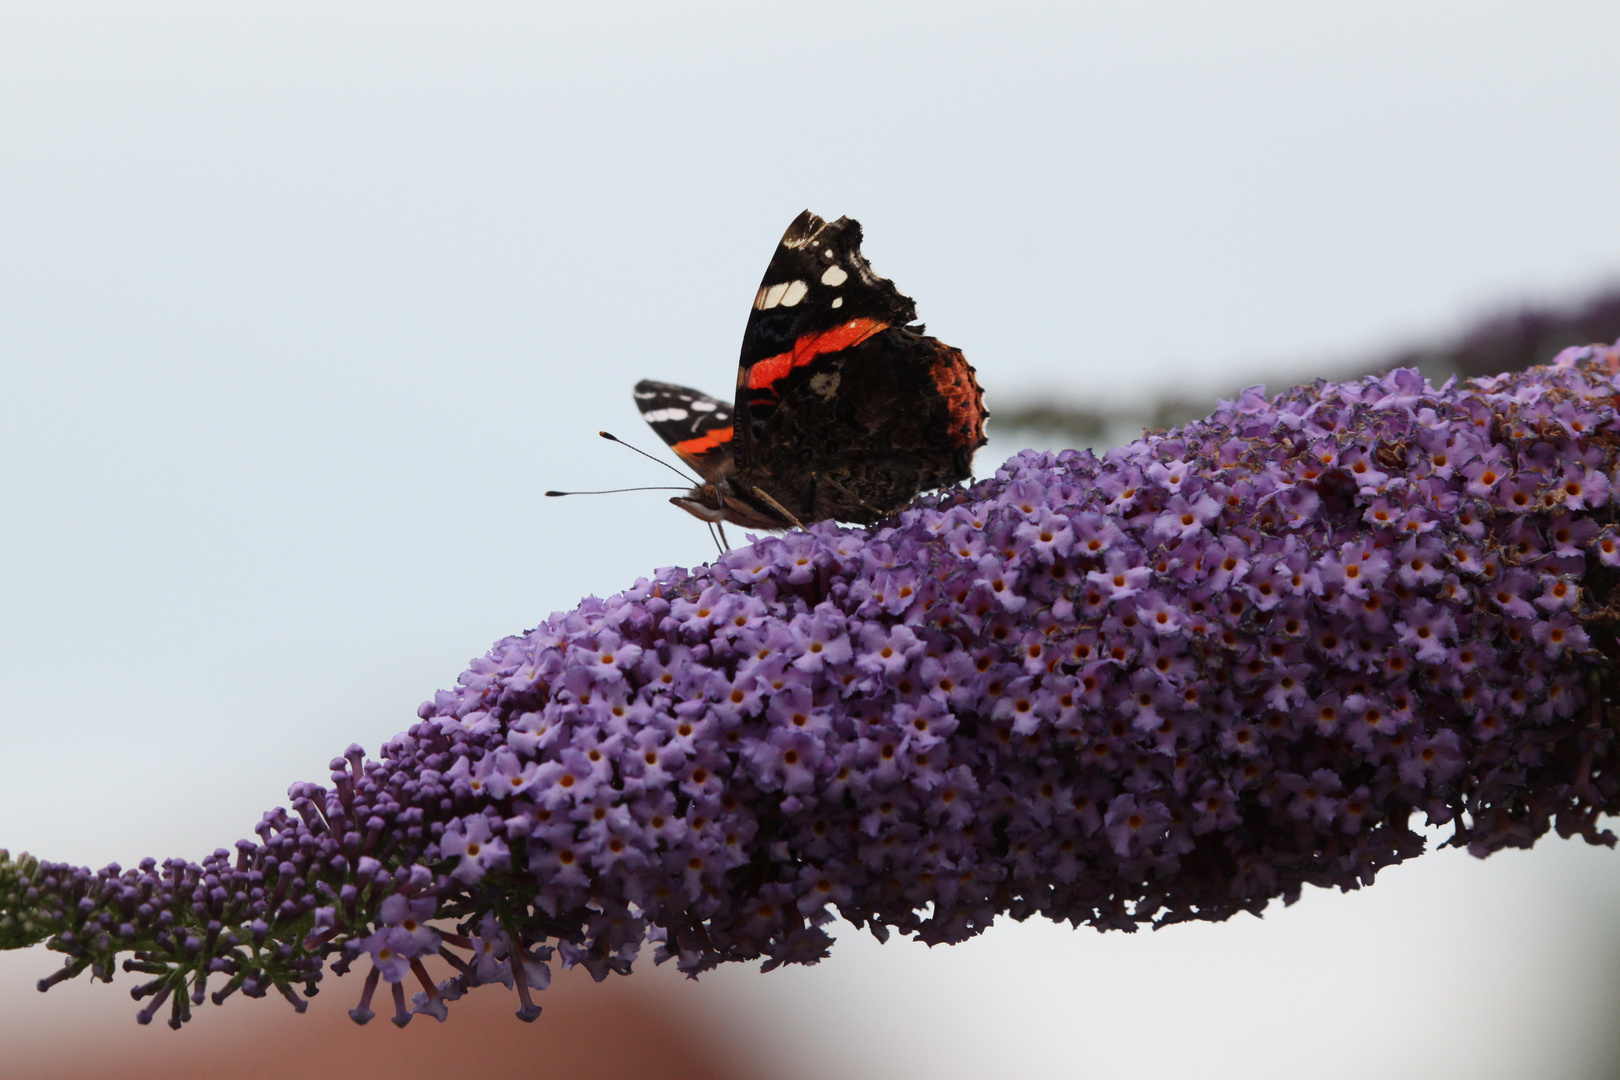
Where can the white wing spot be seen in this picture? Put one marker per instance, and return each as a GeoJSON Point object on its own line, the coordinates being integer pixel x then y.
{"type": "Point", "coordinates": [838, 301]}
{"type": "Point", "coordinates": [759, 299]}
{"type": "Point", "coordinates": [829, 252]}
{"type": "Point", "coordinates": [659, 416]}
{"type": "Point", "coordinates": [704, 406]}
{"type": "Point", "coordinates": [834, 276]}
{"type": "Point", "coordinates": [795, 292]}
{"type": "Point", "coordinates": [772, 296]}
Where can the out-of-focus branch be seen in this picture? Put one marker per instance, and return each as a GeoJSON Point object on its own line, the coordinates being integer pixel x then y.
{"type": "Point", "coordinates": [1504, 342]}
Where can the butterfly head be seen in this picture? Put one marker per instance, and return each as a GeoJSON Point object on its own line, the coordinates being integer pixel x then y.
{"type": "Point", "coordinates": [719, 502]}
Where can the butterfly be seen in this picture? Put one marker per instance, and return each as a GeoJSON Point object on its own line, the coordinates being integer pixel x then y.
{"type": "Point", "coordinates": [845, 408]}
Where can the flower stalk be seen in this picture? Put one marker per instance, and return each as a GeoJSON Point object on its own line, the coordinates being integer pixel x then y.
{"type": "Point", "coordinates": [1200, 673]}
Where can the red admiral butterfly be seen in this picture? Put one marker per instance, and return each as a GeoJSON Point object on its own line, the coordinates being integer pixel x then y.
{"type": "Point", "coordinates": [844, 408]}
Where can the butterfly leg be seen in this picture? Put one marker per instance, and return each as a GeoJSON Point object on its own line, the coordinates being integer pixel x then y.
{"type": "Point", "coordinates": [779, 508]}
{"type": "Point", "coordinates": [725, 545]}
{"type": "Point", "coordinates": [876, 512]}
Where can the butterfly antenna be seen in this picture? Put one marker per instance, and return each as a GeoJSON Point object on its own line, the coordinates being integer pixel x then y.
{"type": "Point", "coordinates": [612, 491]}
{"type": "Point", "coordinates": [610, 437]}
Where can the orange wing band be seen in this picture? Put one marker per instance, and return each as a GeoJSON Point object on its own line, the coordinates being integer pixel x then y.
{"type": "Point", "coordinates": [773, 369]}
{"type": "Point", "coordinates": [696, 448]}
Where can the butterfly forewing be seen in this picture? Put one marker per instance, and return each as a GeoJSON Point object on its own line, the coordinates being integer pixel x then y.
{"type": "Point", "coordinates": [819, 295]}
{"type": "Point", "coordinates": [695, 425]}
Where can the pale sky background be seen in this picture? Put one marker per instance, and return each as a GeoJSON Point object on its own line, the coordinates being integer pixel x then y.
{"type": "Point", "coordinates": [302, 306]}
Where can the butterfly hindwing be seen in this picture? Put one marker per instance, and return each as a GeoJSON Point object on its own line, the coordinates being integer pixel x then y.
{"type": "Point", "coordinates": [695, 425]}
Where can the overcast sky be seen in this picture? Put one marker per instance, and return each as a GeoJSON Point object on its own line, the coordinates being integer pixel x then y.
{"type": "Point", "coordinates": [302, 306]}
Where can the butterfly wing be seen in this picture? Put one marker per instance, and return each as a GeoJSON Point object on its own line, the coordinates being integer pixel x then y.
{"type": "Point", "coordinates": [696, 426]}
{"type": "Point", "coordinates": [818, 296]}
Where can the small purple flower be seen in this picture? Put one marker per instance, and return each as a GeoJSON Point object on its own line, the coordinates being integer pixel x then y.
{"type": "Point", "coordinates": [471, 841]}
{"type": "Point", "coordinates": [411, 916]}
{"type": "Point", "coordinates": [1132, 825]}
{"type": "Point", "coordinates": [1120, 580]}
{"type": "Point", "coordinates": [1560, 633]}
{"type": "Point", "coordinates": [1183, 517]}
{"type": "Point", "coordinates": [1580, 488]}
{"type": "Point", "coordinates": [391, 950]}
{"type": "Point", "coordinates": [1486, 471]}
{"type": "Point", "coordinates": [820, 640]}
{"type": "Point", "coordinates": [1509, 593]}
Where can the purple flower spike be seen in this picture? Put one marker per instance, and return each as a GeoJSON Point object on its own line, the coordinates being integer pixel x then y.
{"type": "Point", "coordinates": [1199, 673]}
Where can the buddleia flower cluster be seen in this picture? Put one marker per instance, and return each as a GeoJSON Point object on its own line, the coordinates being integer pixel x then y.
{"type": "Point", "coordinates": [1175, 682]}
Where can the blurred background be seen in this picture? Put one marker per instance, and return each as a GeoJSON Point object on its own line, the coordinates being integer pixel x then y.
{"type": "Point", "coordinates": [303, 305]}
